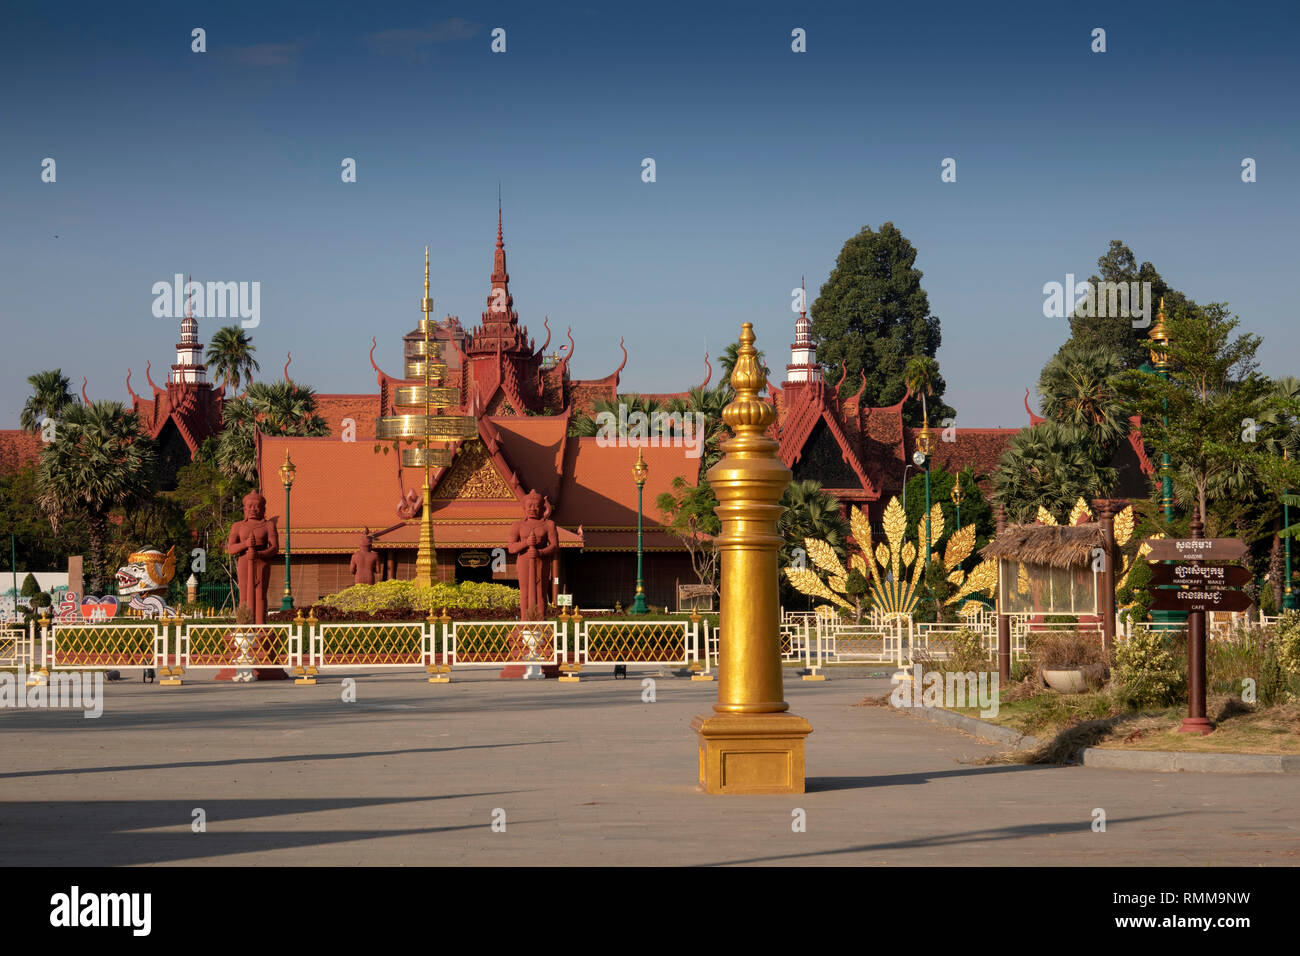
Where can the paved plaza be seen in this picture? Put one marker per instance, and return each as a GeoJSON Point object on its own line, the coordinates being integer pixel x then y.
{"type": "Point", "coordinates": [412, 774]}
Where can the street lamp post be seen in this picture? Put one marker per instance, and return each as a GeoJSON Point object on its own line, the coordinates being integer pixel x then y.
{"type": "Point", "coordinates": [957, 496]}
{"type": "Point", "coordinates": [922, 459]}
{"type": "Point", "coordinates": [640, 471]}
{"type": "Point", "coordinates": [1159, 349]}
{"type": "Point", "coordinates": [287, 471]}
{"type": "Point", "coordinates": [1288, 595]}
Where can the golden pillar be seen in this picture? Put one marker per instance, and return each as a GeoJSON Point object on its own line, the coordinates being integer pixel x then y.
{"type": "Point", "coordinates": [426, 560]}
{"type": "Point", "coordinates": [750, 744]}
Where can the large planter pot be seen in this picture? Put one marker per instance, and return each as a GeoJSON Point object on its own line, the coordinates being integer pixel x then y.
{"type": "Point", "coordinates": [1075, 680]}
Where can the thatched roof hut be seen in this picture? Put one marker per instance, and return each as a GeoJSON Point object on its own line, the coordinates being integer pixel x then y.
{"type": "Point", "coordinates": [1045, 545]}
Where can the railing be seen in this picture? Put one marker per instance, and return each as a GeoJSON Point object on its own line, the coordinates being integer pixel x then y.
{"type": "Point", "coordinates": [239, 645]}
{"type": "Point", "coordinates": [494, 643]}
{"type": "Point", "coordinates": [86, 646]}
{"type": "Point", "coordinates": [371, 645]}
{"type": "Point", "coordinates": [18, 645]}
{"type": "Point", "coordinates": [436, 644]}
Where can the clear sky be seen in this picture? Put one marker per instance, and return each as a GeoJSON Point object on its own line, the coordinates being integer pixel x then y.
{"type": "Point", "coordinates": [226, 165]}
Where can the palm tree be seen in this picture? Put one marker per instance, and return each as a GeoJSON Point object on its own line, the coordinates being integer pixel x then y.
{"type": "Point", "coordinates": [50, 396]}
{"type": "Point", "coordinates": [1050, 466]}
{"type": "Point", "coordinates": [280, 408]}
{"type": "Point", "coordinates": [811, 512]}
{"type": "Point", "coordinates": [1077, 390]}
{"type": "Point", "coordinates": [918, 376]}
{"type": "Point", "coordinates": [710, 402]}
{"type": "Point", "coordinates": [230, 356]}
{"type": "Point", "coordinates": [589, 426]}
{"type": "Point", "coordinates": [99, 460]}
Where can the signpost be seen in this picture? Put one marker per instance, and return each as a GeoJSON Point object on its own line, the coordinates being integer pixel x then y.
{"type": "Point", "coordinates": [1201, 575]}
{"type": "Point", "coordinates": [1198, 588]}
{"type": "Point", "coordinates": [1200, 600]}
{"type": "Point", "coordinates": [1203, 549]}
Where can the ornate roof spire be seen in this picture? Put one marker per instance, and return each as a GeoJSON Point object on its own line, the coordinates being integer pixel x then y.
{"type": "Point", "coordinates": [189, 325]}
{"type": "Point", "coordinates": [803, 354]}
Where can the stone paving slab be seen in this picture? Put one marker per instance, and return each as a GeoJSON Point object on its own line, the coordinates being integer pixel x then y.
{"type": "Point", "coordinates": [411, 773]}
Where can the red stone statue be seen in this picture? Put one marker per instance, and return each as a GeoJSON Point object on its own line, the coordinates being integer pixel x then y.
{"type": "Point", "coordinates": [535, 542]}
{"type": "Point", "coordinates": [364, 562]}
{"type": "Point", "coordinates": [256, 541]}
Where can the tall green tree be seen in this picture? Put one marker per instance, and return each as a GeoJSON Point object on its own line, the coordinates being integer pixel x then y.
{"type": "Point", "coordinates": [100, 459]}
{"type": "Point", "coordinates": [230, 356]}
{"type": "Point", "coordinates": [1211, 397]}
{"type": "Point", "coordinates": [50, 396]}
{"type": "Point", "coordinates": [37, 546]}
{"type": "Point", "coordinates": [872, 315]}
{"type": "Point", "coordinates": [1114, 333]}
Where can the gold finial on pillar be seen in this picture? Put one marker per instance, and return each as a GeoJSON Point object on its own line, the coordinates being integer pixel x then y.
{"type": "Point", "coordinates": [750, 744]}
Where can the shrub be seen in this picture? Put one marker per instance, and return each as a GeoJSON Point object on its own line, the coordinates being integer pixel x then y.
{"type": "Point", "coordinates": [965, 653]}
{"type": "Point", "coordinates": [1146, 669]}
{"type": "Point", "coordinates": [415, 599]}
{"type": "Point", "coordinates": [1065, 650]}
{"type": "Point", "coordinates": [1134, 596]}
{"type": "Point", "coordinates": [1287, 642]}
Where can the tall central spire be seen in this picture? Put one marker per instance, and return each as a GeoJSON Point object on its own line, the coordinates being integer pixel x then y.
{"type": "Point", "coordinates": [500, 278]}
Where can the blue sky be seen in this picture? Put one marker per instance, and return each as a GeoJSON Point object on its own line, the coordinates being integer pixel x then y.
{"type": "Point", "coordinates": [226, 165]}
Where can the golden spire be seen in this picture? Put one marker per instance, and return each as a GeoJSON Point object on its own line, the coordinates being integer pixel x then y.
{"type": "Point", "coordinates": [747, 414]}
{"type": "Point", "coordinates": [1158, 338]}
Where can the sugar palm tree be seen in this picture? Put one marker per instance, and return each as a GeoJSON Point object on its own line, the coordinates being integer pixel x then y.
{"type": "Point", "coordinates": [280, 408]}
{"type": "Point", "coordinates": [1077, 390]}
{"type": "Point", "coordinates": [811, 512]}
{"type": "Point", "coordinates": [230, 356]}
{"type": "Point", "coordinates": [709, 402]}
{"type": "Point", "coordinates": [50, 396]}
{"type": "Point", "coordinates": [99, 460]}
{"type": "Point", "coordinates": [1050, 466]}
{"type": "Point", "coordinates": [589, 426]}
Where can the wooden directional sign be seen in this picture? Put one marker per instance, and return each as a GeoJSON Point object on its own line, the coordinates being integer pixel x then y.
{"type": "Point", "coordinates": [1204, 549]}
{"type": "Point", "coordinates": [1200, 576]}
{"type": "Point", "coordinates": [1200, 599]}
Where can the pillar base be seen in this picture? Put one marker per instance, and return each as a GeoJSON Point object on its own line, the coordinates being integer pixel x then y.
{"type": "Point", "coordinates": [1196, 725]}
{"type": "Point", "coordinates": [751, 753]}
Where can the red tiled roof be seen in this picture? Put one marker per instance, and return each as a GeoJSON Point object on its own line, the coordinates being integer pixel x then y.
{"type": "Point", "coordinates": [342, 487]}
{"type": "Point", "coordinates": [362, 409]}
{"type": "Point", "coordinates": [18, 448]}
{"type": "Point", "coordinates": [981, 448]}
{"type": "Point", "coordinates": [804, 407]}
